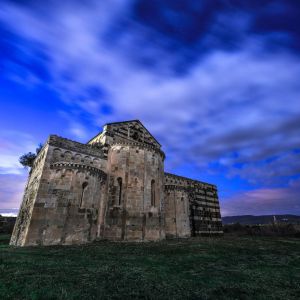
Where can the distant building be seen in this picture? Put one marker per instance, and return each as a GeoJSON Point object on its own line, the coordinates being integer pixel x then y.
{"type": "Point", "coordinates": [114, 187]}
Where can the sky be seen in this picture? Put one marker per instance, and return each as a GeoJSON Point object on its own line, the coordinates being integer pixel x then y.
{"type": "Point", "coordinates": [216, 82]}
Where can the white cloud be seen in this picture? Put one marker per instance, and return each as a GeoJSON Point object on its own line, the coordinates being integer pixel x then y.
{"type": "Point", "coordinates": [12, 214]}
{"type": "Point", "coordinates": [227, 102]}
{"type": "Point", "coordinates": [13, 144]}
{"type": "Point", "coordinates": [13, 176]}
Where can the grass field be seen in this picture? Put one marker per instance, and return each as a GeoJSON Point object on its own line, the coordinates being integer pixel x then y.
{"type": "Point", "coordinates": [223, 268]}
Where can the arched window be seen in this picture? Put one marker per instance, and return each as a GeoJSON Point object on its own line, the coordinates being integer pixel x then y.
{"type": "Point", "coordinates": [153, 192]}
{"type": "Point", "coordinates": [119, 190]}
{"type": "Point", "coordinates": [84, 186]}
{"type": "Point", "coordinates": [153, 160]}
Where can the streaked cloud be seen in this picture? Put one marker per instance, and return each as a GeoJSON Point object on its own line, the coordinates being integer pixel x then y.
{"type": "Point", "coordinates": [216, 83]}
{"type": "Point", "coordinates": [13, 144]}
{"type": "Point", "coordinates": [264, 201]}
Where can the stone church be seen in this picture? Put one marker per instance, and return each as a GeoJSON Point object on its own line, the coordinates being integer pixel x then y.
{"type": "Point", "coordinates": [115, 188]}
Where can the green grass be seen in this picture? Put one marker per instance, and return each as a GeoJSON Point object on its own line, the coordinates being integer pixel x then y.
{"type": "Point", "coordinates": [4, 238]}
{"type": "Point", "coordinates": [223, 268]}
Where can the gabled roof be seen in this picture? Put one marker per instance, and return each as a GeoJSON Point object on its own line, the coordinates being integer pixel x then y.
{"type": "Point", "coordinates": [132, 121]}
{"type": "Point", "coordinates": [129, 121]}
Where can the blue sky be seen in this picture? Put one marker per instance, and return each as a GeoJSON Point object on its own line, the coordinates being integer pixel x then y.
{"type": "Point", "coordinates": [216, 82]}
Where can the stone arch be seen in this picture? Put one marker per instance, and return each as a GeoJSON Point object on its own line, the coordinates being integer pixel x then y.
{"type": "Point", "coordinates": [68, 155]}
{"type": "Point", "coordinates": [96, 163]}
{"type": "Point", "coordinates": [66, 175]}
{"type": "Point", "coordinates": [77, 158]}
{"type": "Point", "coordinates": [56, 154]}
{"type": "Point", "coordinates": [87, 159]}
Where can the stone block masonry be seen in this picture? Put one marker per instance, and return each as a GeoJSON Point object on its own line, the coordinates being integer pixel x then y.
{"type": "Point", "coordinates": [114, 187]}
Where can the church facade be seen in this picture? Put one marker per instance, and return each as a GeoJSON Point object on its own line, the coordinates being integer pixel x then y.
{"type": "Point", "coordinates": [115, 188]}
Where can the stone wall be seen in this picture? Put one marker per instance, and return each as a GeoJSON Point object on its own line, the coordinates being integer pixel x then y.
{"type": "Point", "coordinates": [19, 235]}
{"type": "Point", "coordinates": [135, 194]}
{"type": "Point", "coordinates": [194, 202]}
{"type": "Point", "coordinates": [67, 189]}
{"type": "Point", "coordinates": [177, 211]}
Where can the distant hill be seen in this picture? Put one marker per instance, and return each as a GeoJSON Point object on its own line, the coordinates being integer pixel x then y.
{"type": "Point", "coordinates": [7, 222]}
{"type": "Point", "coordinates": [266, 219]}
{"type": "Point", "coordinates": [9, 212]}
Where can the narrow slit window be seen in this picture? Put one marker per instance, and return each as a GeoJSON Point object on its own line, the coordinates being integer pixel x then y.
{"type": "Point", "coordinates": [119, 190]}
{"type": "Point", "coordinates": [153, 193]}
{"type": "Point", "coordinates": [84, 186]}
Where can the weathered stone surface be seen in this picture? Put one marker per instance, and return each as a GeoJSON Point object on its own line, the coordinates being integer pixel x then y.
{"type": "Point", "coordinates": [192, 201]}
{"type": "Point", "coordinates": [115, 188]}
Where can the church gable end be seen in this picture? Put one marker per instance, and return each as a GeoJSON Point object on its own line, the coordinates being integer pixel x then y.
{"type": "Point", "coordinates": [132, 130]}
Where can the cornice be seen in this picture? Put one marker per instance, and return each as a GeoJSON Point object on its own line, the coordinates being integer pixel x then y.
{"type": "Point", "coordinates": [75, 166]}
